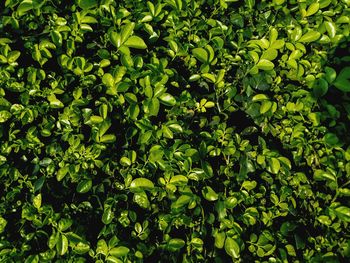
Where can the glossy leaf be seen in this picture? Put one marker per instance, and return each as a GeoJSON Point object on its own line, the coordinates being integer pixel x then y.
{"type": "Point", "coordinates": [310, 36]}
{"type": "Point", "coordinates": [167, 99]}
{"type": "Point", "coordinates": [265, 64]}
{"type": "Point", "coordinates": [232, 248]}
{"type": "Point", "coordinates": [135, 42]}
{"type": "Point", "coordinates": [209, 194]}
{"type": "Point", "coordinates": [201, 54]}
{"type": "Point", "coordinates": [84, 186]}
{"type": "Point", "coordinates": [62, 244]}
{"type": "Point", "coordinates": [140, 184]}
{"type": "Point", "coordinates": [120, 251]}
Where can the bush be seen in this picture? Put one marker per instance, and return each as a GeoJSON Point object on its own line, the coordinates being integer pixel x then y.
{"type": "Point", "coordinates": [174, 131]}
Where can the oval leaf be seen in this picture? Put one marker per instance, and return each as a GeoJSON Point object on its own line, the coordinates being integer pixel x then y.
{"type": "Point", "coordinates": [140, 184]}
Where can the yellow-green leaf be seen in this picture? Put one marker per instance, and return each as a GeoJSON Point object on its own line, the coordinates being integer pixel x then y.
{"type": "Point", "coordinates": [127, 31]}
{"type": "Point", "coordinates": [201, 54]}
{"type": "Point", "coordinates": [62, 244]}
{"type": "Point", "coordinates": [265, 64]}
{"type": "Point", "coordinates": [312, 9]}
{"type": "Point", "coordinates": [140, 184]}
{"type": "Point", "coordinates": [232, 248]}
{"type": "Point", "coordinates": [135, 42]}
{"type": "Point", "coordinates": [310, 36]}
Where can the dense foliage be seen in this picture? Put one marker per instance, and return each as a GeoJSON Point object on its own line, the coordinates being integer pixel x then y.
{"type": "Point", "coordinates": [174, 131]}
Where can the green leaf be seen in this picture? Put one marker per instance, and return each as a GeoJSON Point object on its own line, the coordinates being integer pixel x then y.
{"type": "Point", "coordinates": [179, 180]}
{"type": "Point", "coordinates": [154, 107]}
{"type": "Point", "coordinates": [102, 247]}
{"type": "Point", "coordinates": [312, 9]}
{"type": "Point", "coordinates": [232, 248]}
{"type": "Point", "coordinates": [175, 244]}
{"type": "Point", "coordinates": [310, 36]}
{"type": "Point", "coordinates": [126, 31]}
{"type": "Point", "coordinates": [107, 216]}
{"type": "Point", "coordinates": [167, 99]}
{"type": "Point", "coordinates": [3, 224]}
{"type": "Point", "coordinates": [343, 213]}
{"type": "Point", "coordinates": [201, 54]}
{"type": "Point", "coordinates": [344, 192]}
{"type": "Point", "coordinates": [120, 251]}
{"type": "Point", "coordinates": [342, 82]}
{"type": "Point", "coordinates": [62, 244]}
{"type": "Point", "coordinates": [331, 74]}
{"type": "Point", "coordinates": [290, 250]}
{"type": "Point", "coordinates": [108, 80]}
{"type": "Point", "coordinates": [320, 88]}
{"type": "Point", "coordinates": [125, 161]}
{"type": "Point", "coordinates": [209, 77]}
{"type": "Point", "coordinates": [219, 239]}
{"type": "Point", "coordinates": [141, 199]}
{"type": "Point", "coordinates": [269, 54]}
{"type": "Point", "coordinates": [37, 201]}
{"type": "Point", "coordinates": [108, 138]}
{"type": "Point", "coordinates": [265, 64]}
{"type": "Point", "coordinates": [278, 44]}
{"type": "Point", "coordinates": [265, 106]}
{"type": "Point", "coordinates": [175, 127]}
{"type": "Point", "coordinates": [54, 102]}
{"type": "Point", "coordinates": [4, 116]}
{"type": "Point", "coordinates": [13, 56]}
{"type": "Point", "coordinates": [84, 186]}
{"type": "Point", "coordinates": [182, 201]}
{"type": "Point", "coordinates": [87, 4]}
{"type": "Point", "coordinates": [194, 77]}
{"type": "Point", "coordinates": [115, 38]}
{"type": "Point", "coordinates": [331, 28]}
{"type": "Point", "coordinates": [260, 97]}
{"type": "Point", "coordinates": [81, 248]}
{"type": "Point", "coordinates": [135, 42]}
{"type": "Point", "coordinates": [249, 185]}
{"type": "Point", "coordinates": [111, 259]}
{"type": "Point", "coordinates": [320, 175]}
{"type": "Point", "coordinates": [64, 224]}
{"type": "Point", "coordinates": [275, 165]}
{"type": "Point", "coordinates": [53, 240]}
{"type": "Point", "coordinates": [140, 184]}
{"type": "Point", "coordinates": [209, 194]}
{"type": "Point", "coordinates": [24, 7]}
{"type": "Point", "coordinates": [331, 139]}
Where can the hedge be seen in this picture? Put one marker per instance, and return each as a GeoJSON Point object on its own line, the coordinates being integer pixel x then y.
{"type": "Point", "coordinates": [174, 131]}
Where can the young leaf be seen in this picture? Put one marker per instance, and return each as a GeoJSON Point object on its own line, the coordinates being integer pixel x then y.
{"type": "Point", "coordinates": [312, 9]}
{"type": "Point", "coordinates": [127, 31]}
{"type": "Point", "coordinates": [87, 4]}
{"type": "Point", "coordinates": [24, 7]}
{"type": "Point", "coordinates": [140, 184]}
{"type": "Point", "coordinates": [4, 116]}
{"type": "Point", "coordinates": [343, 213]}
{"type": "Point", "coordinates": [115, 38]}
{"type": "Point", "coordinates": [310, 36]}
{"type": "Point", "coordinates": [3, 223]}
{"type": "Point", "coordinates": [84, 186]}
{"type": "Point", "coordinates": [154, 107]}
{"type": "Point", "coordinates": [135, 42]}
{"type": "Point", "coordinates": [119, 252]}
{"type": "Point", "coordinates": [209, 194]}
{"type": "Point", "coordinates": [62, 244]}
{"type": "Point", "coordinates": [265, 64]}
{"type": "Point", "coordinates": [167, 99]}
{"type": "Point", "coordinates": [232, 248]}
{"type": "Point", "coordinates": [201, 54]}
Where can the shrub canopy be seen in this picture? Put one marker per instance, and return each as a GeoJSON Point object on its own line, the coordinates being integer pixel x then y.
{"type": "Point", "coordinates": [174, 131]}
